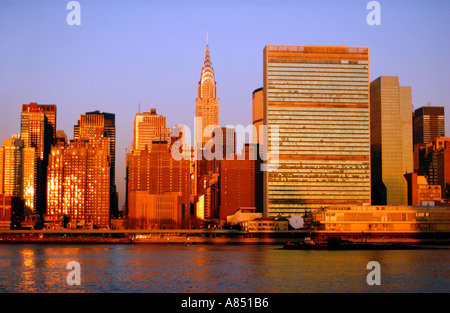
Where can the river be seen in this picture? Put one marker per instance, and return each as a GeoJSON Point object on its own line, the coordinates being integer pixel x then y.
{"type": "Point", "coordinates": [30, 268]}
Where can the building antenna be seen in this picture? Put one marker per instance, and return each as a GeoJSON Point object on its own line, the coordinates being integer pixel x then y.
{"type": "Point", "coordinates": [139, 110]}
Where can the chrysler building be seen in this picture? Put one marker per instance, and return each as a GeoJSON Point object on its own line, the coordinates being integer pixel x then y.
{"type": "Point", "coordinates": [207, 103]}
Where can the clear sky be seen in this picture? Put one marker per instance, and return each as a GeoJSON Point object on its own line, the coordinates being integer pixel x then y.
{"type": "Point", "coordinates": [126, 52]}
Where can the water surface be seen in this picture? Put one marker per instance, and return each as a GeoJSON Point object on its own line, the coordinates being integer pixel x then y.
{"type": "Point", "coordinates": [218, 269]}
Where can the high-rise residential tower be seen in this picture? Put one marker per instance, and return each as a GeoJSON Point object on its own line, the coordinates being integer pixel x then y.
{"type": "Point", "coordinates": [98, 123]}
{"type": "Point", "coordinates": [317, 97]}
{"type": "Point", "coordinates": [79, 182]}
{"type": "Point", "coordinates": [390, 140]}
{"type": "Point", "coordinates": [207, 103]}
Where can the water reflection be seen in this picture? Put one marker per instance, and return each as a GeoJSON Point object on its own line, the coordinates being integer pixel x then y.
{"type": "Point", "coordinates": [27, 283]}
{"type": "Point", "coordinates": [124, 268]}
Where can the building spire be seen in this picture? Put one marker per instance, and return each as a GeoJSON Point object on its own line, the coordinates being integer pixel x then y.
{"type": "Point", "coordinates": [207, 58]}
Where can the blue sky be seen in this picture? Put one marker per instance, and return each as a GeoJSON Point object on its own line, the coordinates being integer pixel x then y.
{"type": "Point", "coordinates": [126, 52]}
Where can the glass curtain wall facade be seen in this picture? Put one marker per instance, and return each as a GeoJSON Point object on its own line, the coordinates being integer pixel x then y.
{"type": "Point", "coordinates": [318, 98]}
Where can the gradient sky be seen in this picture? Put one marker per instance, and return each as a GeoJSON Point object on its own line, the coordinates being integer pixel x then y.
{"type": "Point", "coordinates": [126, 52]}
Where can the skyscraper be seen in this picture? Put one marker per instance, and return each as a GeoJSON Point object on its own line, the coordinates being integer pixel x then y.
{"type": "Point", "coordinates": [12, 166]}
{"type": "Point", "coordinates": [17, 171]}
{"type": "Point", "coordinates": [29, 178]}
{"type": "Point", "coordinates": [48, 109]}
{"type": "Point", "coordinates": [429, 123]}
{"type": "Point", "coordinates": [257, 112]}
{"type": "Point", "coordinates": [390, 140]}
{"type": "Point", "coordinates": [149, 127]}
{"type": "Point", "coordinates": [318, 99]}
{"type": "Point", "coordinates": [98, 123]}
{"type": "Point", "coordinates": [79, 182]}
{"type": "Point", "coordinates": [38, 130]}
{"type": "Point", "coordinates": [207, 103]}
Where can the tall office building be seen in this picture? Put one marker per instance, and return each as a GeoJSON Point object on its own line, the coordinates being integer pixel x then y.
{"type": "Point", "coordinates": [94, 124]}
{"type": "Point", "coordinates": [79, 182]}
{"type": "Point", "coordinates": [318, 99]}
{"type": "Point", "coordinates": [207, 103]}
{"type": "Point", "coordinates": [149, 127]}
{"type": "Point", "coordinates": [390, 140]}
{"type": "Point", "coordinates": [38, 131]}
{"type": "Point", "coordinates": [429, 123]}
{"type": "Point", "coordinates": [257, 112]}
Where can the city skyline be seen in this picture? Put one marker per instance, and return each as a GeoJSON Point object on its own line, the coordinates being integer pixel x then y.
{"type": "Point", "coordinates": [124, 55]}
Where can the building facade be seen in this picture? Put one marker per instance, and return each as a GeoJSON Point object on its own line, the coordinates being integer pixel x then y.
{"type": "Point", "coordinates": [317, 98]}
{"type": "Point", "coordinates": [17, 171]}
{"type": "Point", "coordinates": [429, 123]}
{"type": "Point", "coordinates": [38, 131]}
{"type": "Point", "coordinates": [149, 127]}
{"type": "Point", "coordinates": [433, 161]}
{"type": "Point", "coordinates": [156, 172]}
{"type": "Point", "coordinates": [11, 209]}
{"type": "Point", "coordinates": [390, 140]}
{"type": "Point", "coordinates": [385, 219]}
{"type": "Point", "coordinates": [420, 193]}
{"type": "Point", "coordinates": [12, 173]}
{"type": "Point", "coordinates": [98, 124]}
{"type": "Point", "coordinates": [2, 169]}
{"type": "Point", "coordinates": [154, 211]}
{"type": "Point", "coordinates": [257, 113]}
{"type": "Point", "coordinates": [49, 111]}
{"type": "Point", "coordinates": [78, 183]}
{"type": "Point", "coordinates": [237, 185]}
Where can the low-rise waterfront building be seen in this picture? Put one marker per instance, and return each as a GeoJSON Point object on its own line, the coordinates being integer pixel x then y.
{"type": "Point", "coordinates": [243, 214]}
{"type": "Point", "coordinates": [265, 224]}
{"type": "Point", "coordinates": [420, 193]}
{"type": "Point", "coordinates": [11, 209]}
{"type": "Point", "coordinates": [384, 218]}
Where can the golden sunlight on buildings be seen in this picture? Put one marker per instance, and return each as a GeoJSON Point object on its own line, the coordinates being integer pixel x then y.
{"type": "Point", "coordinates": [384, 218]}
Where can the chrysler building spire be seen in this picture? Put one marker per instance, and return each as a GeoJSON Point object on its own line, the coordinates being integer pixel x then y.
{"type": "Point", "coordinates": [207, 104]}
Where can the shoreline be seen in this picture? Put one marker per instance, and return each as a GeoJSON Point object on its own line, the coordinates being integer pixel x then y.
{"type": "Point", "coordinates": [222, 237]}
